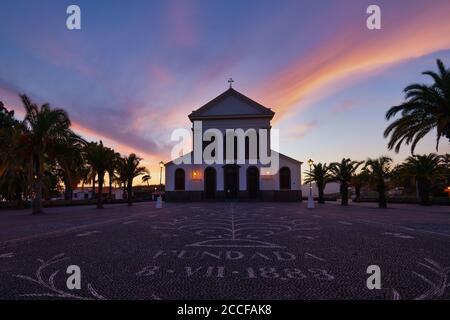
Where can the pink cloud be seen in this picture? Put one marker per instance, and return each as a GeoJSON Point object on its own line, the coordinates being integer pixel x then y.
{"type": "Point", "coordinates": [354, 54]}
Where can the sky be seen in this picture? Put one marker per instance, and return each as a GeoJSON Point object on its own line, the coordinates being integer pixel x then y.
{"type": "Point", "coordinates": [136, 69]}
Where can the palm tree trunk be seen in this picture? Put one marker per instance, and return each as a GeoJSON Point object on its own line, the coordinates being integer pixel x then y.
{"type": "Point", "coordinates": [320, 188]}
{"type": "Point", "coordinates": [19, 199]}
{"type": "Point", "coordinates": [93, 187]}
{"type": "Point", "coordinates": [130, 190]}
{"type": "Point", "coordinates": [37, 201]}
{"type": "Point", "coordinates": [344, 193]}
{"type": "Point", "coordinates": [382, 202]}
{"type": "Point", "coordinates": [110, 187]}
{"type": "Point", "coordinates": [100, 192]}
{"type": "Point", "coordinates": [424, 192]}
{"type": "Point", "coordinates": [66, 190]}
{"type": "Point", "coordinates": [357, 192]}
{"type": "Point", "coordinates": [70, 193]}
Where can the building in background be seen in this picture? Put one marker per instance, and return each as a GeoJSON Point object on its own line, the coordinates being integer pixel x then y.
{"type": "Point", "coordinates": [193, 182]}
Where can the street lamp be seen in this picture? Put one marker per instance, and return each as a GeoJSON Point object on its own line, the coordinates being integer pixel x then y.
{"type": "Point", "coordinates": [161, 166]}
{"type": "Point", "coordinates": [310, 196]}
{"type": "Point", "coordinates": [159, 199]}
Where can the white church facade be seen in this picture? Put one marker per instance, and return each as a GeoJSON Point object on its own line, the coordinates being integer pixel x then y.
{"type": "Point", "coordinates": [188, 179]}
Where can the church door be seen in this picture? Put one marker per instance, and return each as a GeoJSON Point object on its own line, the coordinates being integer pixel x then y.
{"type": "Point", "coordinates": [231, 183]}
{"type": "Point", "coordinates": [252, 182]}
{"type": "Point", "coordinates": [210, 183]}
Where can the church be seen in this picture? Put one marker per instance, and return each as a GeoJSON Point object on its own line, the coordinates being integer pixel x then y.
{"type": "Point", "coordinates": [237, 170]}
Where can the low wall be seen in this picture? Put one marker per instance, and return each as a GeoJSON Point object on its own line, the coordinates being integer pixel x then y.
{"type": "Point", "coordinates": [264, 195]}
{"type": "Point", "coordinates": [67, 203]}
{"type": "Point", "coordinates": [407, 200]}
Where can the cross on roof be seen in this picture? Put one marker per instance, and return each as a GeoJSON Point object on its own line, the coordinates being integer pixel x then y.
{"type": "Point", "coordinates": [230, 81]}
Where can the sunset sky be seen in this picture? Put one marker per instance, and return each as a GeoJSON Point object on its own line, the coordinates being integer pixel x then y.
{"type": "Point", "coordinates": [136, 69]}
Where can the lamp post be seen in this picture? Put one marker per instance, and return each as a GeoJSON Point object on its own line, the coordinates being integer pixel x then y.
{"type": "Point", "coordinates": [161, 166]}
{"type": "Point", "coordinates": [159, 199]}
{"type": "Point", "coordinates": [310, 196]}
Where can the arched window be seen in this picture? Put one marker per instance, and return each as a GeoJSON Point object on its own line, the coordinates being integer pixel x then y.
{"type": "Point", "coordinates": [285, 178]}
{"type": "Point", "coordinates": [179, 179]}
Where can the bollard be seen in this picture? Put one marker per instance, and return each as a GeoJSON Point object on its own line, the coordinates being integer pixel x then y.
{"type": "Point", "coordinates": [310, 202]}
{"type": "Point", "coordinates": [159, 202]}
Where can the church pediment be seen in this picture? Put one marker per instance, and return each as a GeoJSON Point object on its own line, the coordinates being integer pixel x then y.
{"type": "Point", "coordinates": [231, 104]}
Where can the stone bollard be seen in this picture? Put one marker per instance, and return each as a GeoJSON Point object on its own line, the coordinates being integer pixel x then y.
{"type": "Point", "coordinates": [159, 202]}
{"type": "Point", "coordinates": [310, 202]}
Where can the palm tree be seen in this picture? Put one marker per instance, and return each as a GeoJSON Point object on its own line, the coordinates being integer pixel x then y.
{"type": "Point", "coordinates": [131, 169]}
{"type": "Point", "coordinates": [15, 169]}
{"type": "Point", "coordinates": [427, 107]}
{"type": "Point", "coordinates": [50, 180]}
{"type": "Point", "coordinates": [72, 164]}
{"type": "Point", "coordinates": [88, 175]}
{"type": "Point", "coordinates": [13, 183]}
{"type": "Point", "coordinates": [378, 171]}
{"type": "Point", "coordinates": [358, 181]}
{"type": "Point", "coordinates": [446, 165]}
{"type": "Point", "coordinates": [7, 124]}
{"type": "Point", "coordinates": [10, 130]}
{"type": "Point", "coordinates": [99, 158]}
{"type": "Point", "coordinates": [146, 179]}
{"type": "Point", "coordinates": [320, 175]}
{"type": "Point", "coordinates": [400, 178]}
{"type": "Point", "coordinates": [84, 175]}
{"type": "Point", "coordinates": [122, 175]}
{"type": "Point", "coordinates": [44, 129]}
{"type": "Point", "coordinates": [425, 170]}
{"type": "Point", "coordinates": [112, 171]}
{"type": "Point", "coordinates": [343, 172]}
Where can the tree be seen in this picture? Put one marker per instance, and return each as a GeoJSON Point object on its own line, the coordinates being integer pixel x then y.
{"type": "Point", "coordinates": [10, 132]}
{"type": "Point", "coordinates": [42, 153]}
{"type": "Point", "coordinates": [146, 179]}
{"type": "Point", "coordinates": [44, 128]}
{"type": "Point", "coordinates": [358, 181]}
{"type": "Point", "coordinates": [99, 158]}
{"type": "Point", "coordinates": [378, 171]}
{"type": "Point", "coordinates": [343, 172]}
{"type": "Point", "coordinates": [15, 167]}
{"type": "Point", "coordinates": [320, 175]}
{"type": "Point", "coordinates": [88, 175]}
{"type": "Point", "coordinates": [425, 170]}
{"type": "Point", "coordinates": [446, 166]}
{"type": "Point", "coordinates": [112, 171]}
{"type": "Point", "coordinates": [71, 164]}
{"type": "Point", "coordinates": [399, 178]}
{"type": "Point", "coordinates": [427, 107]}
{"type": "Point", "coordinates": [85, 175]}
{"type": "Point", "coordinates": [122, 175]}
{"type": "Point", "coordinates": [129, 170]}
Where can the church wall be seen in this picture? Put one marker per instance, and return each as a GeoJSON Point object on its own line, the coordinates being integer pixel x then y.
{"type": "Point", "coordinates": [269, 184]}
{"type": "Point", "coordinates": [244, 124]}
